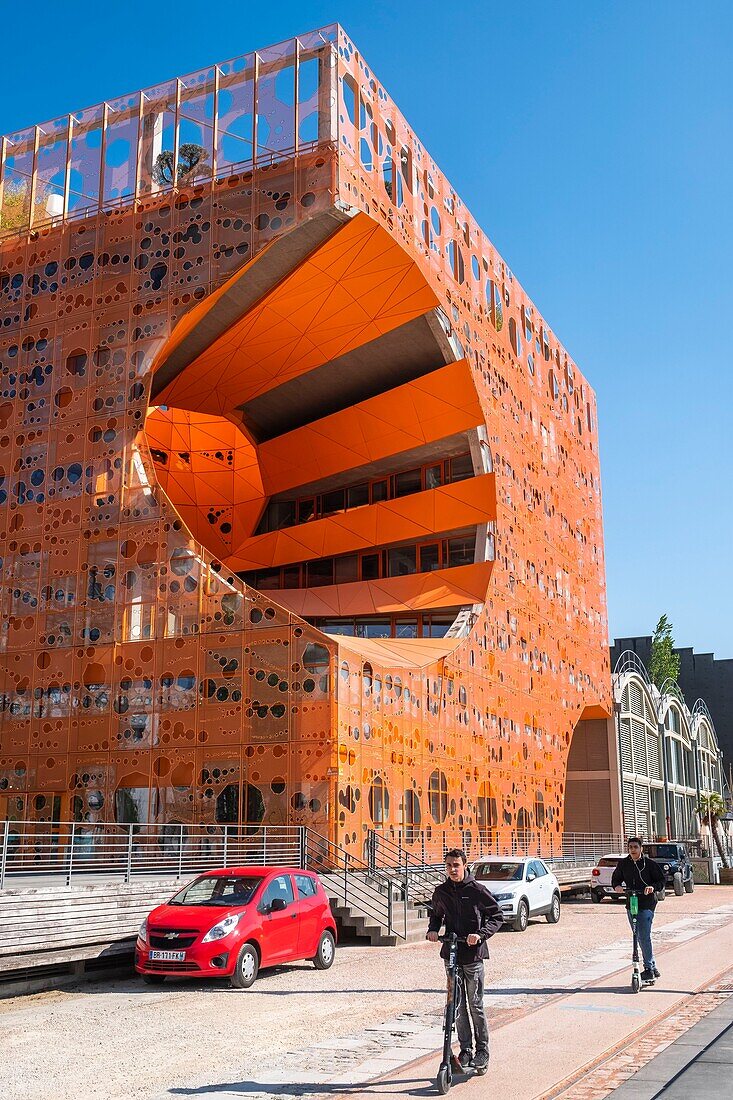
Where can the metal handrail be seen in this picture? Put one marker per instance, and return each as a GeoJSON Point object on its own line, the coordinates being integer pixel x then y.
{"type": "Point", "coordinates": [70, 850]}
{"type": "Point", "coordinates": [365, 888]}
{"type": "Point", "coordinates": [142, 200]}
{"type": "Point", "coordinates": [627, 662]}
{"type": "Point", "coordinates": [74, 851]}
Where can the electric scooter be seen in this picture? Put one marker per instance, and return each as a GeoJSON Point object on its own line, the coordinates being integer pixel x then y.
{"type": "Point", "coordinates": [450, 1064]}
{"type": "Point", "coordinates": [636, 979]}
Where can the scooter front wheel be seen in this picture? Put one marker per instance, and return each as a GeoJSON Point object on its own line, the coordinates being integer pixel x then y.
{"type": "Point", "coordinates": [443, 1080]}
{"type": "Point", "coordinates": [635, 983]}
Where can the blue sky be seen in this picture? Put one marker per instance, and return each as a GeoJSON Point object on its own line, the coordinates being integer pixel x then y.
{"type": "Point", "coordinates": [594, 143]}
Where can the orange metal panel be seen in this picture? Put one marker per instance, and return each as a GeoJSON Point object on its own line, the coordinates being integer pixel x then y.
{"type": "Point", "coordinates": [448, 508]}
{"type": "Point", "coordinates": [356, 287]}
{"type": "Point", "coordinates": [463, 584]}
{"type": "Point", "coordinates": [440, 404]}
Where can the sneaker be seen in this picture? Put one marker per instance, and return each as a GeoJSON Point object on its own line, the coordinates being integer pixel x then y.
{"type": "Point", "coordinates": [481, 1061]}
{"type": "Point", "coordinates": [655, 972]}
{"type": "Point", "coordinates": [465, 1059]}
{"type": "Point", "coordinates": [647, 975]}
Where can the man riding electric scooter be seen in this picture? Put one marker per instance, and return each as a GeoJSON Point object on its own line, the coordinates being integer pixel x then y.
{"type": "Point", "coordinates": [643, 877]}
{"type": "Point", "coordinates": [466, 908]}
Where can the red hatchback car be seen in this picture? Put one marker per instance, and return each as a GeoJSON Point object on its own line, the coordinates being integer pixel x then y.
{"type": "Point", "coordinates": [231, 923]}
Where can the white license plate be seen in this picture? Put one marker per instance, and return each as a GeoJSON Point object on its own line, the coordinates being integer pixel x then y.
{"type": "Point", "coordinates": [167, 956]}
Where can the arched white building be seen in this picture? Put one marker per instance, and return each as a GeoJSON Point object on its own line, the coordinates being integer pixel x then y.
{"type": "Point", "coordinates": [668, 754]}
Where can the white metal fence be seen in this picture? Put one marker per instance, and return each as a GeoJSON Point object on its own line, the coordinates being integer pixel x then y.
{"type": "Point", "coordinates": [71, 850]}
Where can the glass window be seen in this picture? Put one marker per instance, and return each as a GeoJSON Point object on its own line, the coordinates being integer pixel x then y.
{"type": "Point", "coordinates": [401, 560]}
{"type": "Point", "coordinates": [429, 557]}
{"type": "Point", "coordinates": [336, 626]}
{"type": "Point", "coordinates": [306, 886]}
{"type": "Point", "coordinates": [280, 513]}
{"type": "Point", "coordinates": [461, 550]}
{"type": "Point", "coordinates": [268, 578]}
{"type": "Point", "coordinates": [411, 816]}
{"type": "Point", "coordinates": [378, 801]}
{"type": "Point", "coordinates": [369, 567]}
{"type": "Point", "coordinates": [218, 890]}
{"type": "Point", "coordinates": [405, 628]}
{"type": "Point", "coordinates": [132, 804]}
{"type": "Point", "coordinates": [461, 467]}
{"type": "Point", "coordinates": [346, 569]}
{"type": "Point", "coordinates": [319, 573]}
{"type": "Point", "coordinates": [333, 502]}
{"type": "Point", "coordinates": [433, 476]}
{"type": "Point", "coordinates": [291, 576]}
{"type": "Point", "coordinates": [227, 805]}
{"type": "Point", "coordinates": [379, 491]}
{"type": "Point", "coordinates": [500, 872]}
{"type": "Point", "coordinates": [306, 510]}
{"type": "Point", "coordinates": [280, 887]}
{"type": "Point", "coordinates": [437, 626]}
{"type": "Point", "coordinates": [514, 337]}
{"type": "Point", "coordinates": [357, 496]}
{"type": "Point", "coordinates": [373, 628]}
{"type": "Point", "coordinates": [438, 796]}
{"type": "Point", "coordinates": [538, 868]}
{"type": "Point", "coordinates": [406, 483]}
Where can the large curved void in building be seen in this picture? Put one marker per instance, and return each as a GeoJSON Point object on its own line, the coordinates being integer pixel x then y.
{"type": "Point", "coordinates": [316, 428]}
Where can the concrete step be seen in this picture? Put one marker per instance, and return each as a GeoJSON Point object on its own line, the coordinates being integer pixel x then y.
{"type": "Point", "coordinates": [351, 918]}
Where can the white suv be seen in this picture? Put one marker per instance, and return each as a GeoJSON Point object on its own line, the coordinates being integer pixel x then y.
{"type": "Point", "coordinates": [523, 887]}
{"type": "Point", "coordinates": [600, 884]}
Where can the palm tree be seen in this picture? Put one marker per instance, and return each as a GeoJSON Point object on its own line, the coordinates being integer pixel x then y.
{"type": "Point", "coordinates": [711, 809]}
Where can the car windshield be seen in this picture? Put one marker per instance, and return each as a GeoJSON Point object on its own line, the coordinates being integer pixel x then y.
{"type": "Point", "coordinates": [500, 872]}
{"type": "Point", "coordinates": [663, 851]}
{"type": "Point", "coordinates": [222, 890]}
{"type": "Point", "coordinates": [609, 861]}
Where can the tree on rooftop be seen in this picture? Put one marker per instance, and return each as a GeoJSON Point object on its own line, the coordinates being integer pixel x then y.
{"type": "Point", "coordinates": [190, 156]}
{"type": "Point", "coordinates": [664, 663]}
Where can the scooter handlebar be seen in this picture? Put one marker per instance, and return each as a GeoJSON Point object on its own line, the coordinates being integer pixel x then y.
{"type": "Point", "coordinates": [449, 937]}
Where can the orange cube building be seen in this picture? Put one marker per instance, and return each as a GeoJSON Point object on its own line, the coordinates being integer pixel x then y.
{"type": "Point", "coordinates": [300, 509]}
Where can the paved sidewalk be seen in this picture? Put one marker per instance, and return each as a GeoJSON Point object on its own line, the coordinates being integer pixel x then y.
{"type": "Point", "coordinates": [614, 1071]}
{"type": "Point", "coordinates": [534, 1056]}
{"type": "Point", "coordinates": [699, 1064]}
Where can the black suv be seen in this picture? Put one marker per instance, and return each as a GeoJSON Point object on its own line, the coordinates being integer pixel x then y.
{"type": "Point", "coordinates": [675, 862]}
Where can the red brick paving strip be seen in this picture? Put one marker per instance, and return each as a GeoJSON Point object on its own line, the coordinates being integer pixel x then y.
{"type": "Point", "coordinates": [614, 1071]}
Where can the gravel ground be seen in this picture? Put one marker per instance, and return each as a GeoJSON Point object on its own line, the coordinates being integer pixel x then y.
{"type": "Point", "coordinates": [124, 1039]}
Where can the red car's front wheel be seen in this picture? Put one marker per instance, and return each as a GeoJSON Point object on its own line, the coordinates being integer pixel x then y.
{"type": "Point", "coordinates": [245, 970]}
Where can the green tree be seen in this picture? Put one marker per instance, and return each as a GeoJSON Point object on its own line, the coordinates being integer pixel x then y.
{"type": "Point", "coordinates": [664, 663]}
{"type": "Point", "coordinates": [711, 809]}
{"type": "Point", "coordinates": [190, 156]}
{"type": "Point", "coordinates": [16, 206]}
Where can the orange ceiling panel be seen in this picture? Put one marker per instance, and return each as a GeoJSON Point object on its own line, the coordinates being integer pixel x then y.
{"type": "Point", "coordinates": [209, 471]}
{"type": "Point", "coordinates": [433, 407]}
{"type": "Point", "coordinates": [356, 287]}
{"type": "Point", "coordinates": [463, 584]}
{"type": "Point", "coordinates": [396, 652]}
{"type": "Point", "coordinates": [447, 508]}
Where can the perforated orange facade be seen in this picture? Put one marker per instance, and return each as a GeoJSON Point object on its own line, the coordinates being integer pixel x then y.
{"type": "Point", "coordinates": [300, 509]}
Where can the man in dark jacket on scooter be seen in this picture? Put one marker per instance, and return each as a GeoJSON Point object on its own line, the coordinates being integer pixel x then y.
{"type": "Point", "coordinates": [644, 877]}
{"type": "Point", "coordinates": [469, 910]}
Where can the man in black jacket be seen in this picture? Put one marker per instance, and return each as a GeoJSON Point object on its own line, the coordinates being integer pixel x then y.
{"type": "Point", "coordinates": [467, 908]}
{"type": "Point", "coordinates": [644, 877]}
